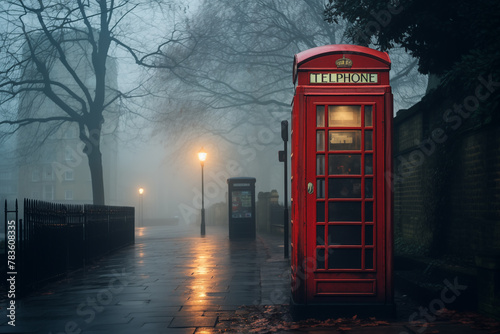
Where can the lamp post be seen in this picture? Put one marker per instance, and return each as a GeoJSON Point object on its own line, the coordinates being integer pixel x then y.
{"type": "Point", "coordinates": [141, 207]}
{"type": "Point", "coordinates": [202, 155]}
{"type": "Point", "coordinates": [283, 157]}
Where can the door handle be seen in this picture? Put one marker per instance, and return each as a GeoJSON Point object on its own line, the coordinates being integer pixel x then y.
{"type": "Point", "coordinates": [310, 188]}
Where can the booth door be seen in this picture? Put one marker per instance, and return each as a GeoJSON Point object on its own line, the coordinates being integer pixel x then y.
{"type": "Point", "coordinates": [345, 228]}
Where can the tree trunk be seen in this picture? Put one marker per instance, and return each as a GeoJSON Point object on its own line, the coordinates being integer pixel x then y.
{"type": "Point", "coordinates": [96, 174]}
{"type": "Point", "coordinates": [93, 151]}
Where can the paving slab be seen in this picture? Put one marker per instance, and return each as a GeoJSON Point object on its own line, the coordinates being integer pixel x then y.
{"type": "Point", "coordinates": [392, 329]}
{"type": "Point", "coordinates": [193, 321]}
{"type": "Point", "coordinates": [448, 328]}
{"type": "Point", "coordinates": [175, 281]}
{"type": "Point", "coordinates": [170, 272]}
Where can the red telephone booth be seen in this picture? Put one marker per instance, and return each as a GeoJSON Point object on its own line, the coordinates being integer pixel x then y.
{"type": "Point", "coordinates": [341, 163]}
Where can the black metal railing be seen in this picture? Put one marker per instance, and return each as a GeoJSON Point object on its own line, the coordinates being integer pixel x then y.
{"type": "Point", "coordinates": [53, 238]}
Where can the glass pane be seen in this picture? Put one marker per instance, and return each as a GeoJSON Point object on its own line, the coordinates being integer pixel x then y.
{"type": "Point", "coordinates": [368, 140]}
{"type": "Point", "coordinates": [368, 164]}
{"type": "Point", "coordinates": [368, 115]}
{"type": "Point", "coordinates": [344, 140]}
{"type": "Point", "coordinates": [320, 235]}
{"type": "Point", "coordinates": [368, 258]}
{"type": "Point", "coordinates": [344, 188]}
{"type": "Point", "coordinates": [320, 164]}
{"type": "Point", "coordinates": [320, 258]}
{"type": "Point", "coordinates": [368, 188]}
{"type": "Point", "coordinates": [368, 211]}
{"type": "Point", "coordinates": [320, 188]}
{"type": "Point", "coordinates": [320, 211]}
{"type": "Point", "coordinates": [320, 140]}
{"type": "Point", "coordinates": [368, 234]}
{"type": "Point", "coordinates": [342, 164]}
{"type": "Point", "coordinates": [344, 235]}
{"type": "Point", "coordinates": [344, 211]}
{"type": "Point", "coordinates": [344, 116]}
{"type": "Point", "coordinates": [320, 116]}
{"type": "Point", "coordinates": [344, 259]}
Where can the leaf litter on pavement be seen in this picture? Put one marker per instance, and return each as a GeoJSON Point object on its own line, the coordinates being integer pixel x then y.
{"type": "Point", "coordinates": [276, 318]}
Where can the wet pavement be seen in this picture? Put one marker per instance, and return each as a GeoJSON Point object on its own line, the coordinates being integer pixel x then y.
{"type": "Point", "coordinates": [174, 281]}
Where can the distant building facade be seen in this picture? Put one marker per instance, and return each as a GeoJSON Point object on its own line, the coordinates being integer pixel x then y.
{"type": "Point", "coordinates": [8, 171]}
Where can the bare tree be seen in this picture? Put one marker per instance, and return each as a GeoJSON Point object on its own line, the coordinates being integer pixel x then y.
{"type": "Point", "coordinates": [37, 36]}
{"type": "Point", "coordinates": [241, 70]}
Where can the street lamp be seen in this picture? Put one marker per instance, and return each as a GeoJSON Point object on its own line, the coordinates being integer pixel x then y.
{"type": "Point", "coordinates": [202, 155]}
{"type": "Point", "coordinates": [141, 207]}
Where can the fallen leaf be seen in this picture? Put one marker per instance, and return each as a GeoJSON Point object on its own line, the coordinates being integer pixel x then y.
{"type": "Point", "coordinates": [369, 324]}
{"type": "Point", "coordinates": [344, 328]}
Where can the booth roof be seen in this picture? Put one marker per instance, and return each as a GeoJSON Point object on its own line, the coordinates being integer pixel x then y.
{"type": "Point", "coordinates": [324, 50]}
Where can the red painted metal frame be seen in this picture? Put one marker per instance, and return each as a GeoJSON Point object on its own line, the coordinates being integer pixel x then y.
{"type": "Point", "coordinates": [310, 286]}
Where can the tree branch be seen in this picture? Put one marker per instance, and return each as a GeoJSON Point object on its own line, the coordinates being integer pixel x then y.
{"type": "Point", "coordinates": [62, 55]}
{"type": "Point", "coordinates": [27, 121]}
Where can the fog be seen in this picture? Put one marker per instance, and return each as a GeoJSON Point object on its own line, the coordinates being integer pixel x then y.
{"type": "Point", "coordinates": [172, 183]}
{"type": "Point", "coordinates": [237, 126]}
{"type": "Point", "coordinates": [222, 81]}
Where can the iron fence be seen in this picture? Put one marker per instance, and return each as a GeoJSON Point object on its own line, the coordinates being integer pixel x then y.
{"type": "Point", "coordinates": [54, 238]}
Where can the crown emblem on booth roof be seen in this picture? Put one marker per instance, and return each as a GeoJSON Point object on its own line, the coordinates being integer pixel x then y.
{"type": "Point", "coordinates": [343, 62]}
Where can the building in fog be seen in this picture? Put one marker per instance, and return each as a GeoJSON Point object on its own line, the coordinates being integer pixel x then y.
{"type": "Point", "coordinates": [8, 171]}
{"type": "Point", "coordinates": [51, 164]}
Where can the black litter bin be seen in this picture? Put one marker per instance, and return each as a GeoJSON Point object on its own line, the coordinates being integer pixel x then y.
{"type": "Point", "coordinates": [241, 199]}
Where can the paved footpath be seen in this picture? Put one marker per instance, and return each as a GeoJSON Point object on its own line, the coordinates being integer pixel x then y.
{"type": "Point", "coordinates": [175, 281]}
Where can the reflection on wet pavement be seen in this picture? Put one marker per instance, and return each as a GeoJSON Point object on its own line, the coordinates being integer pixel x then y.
{"type": "Point", "coordinates": [170, 279]}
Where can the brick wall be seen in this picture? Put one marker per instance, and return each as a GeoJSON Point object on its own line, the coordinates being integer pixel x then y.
{"type": "Point", "coordinates": [475, 196]}
{"type": "Point", "coordinates": [446, 183]}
